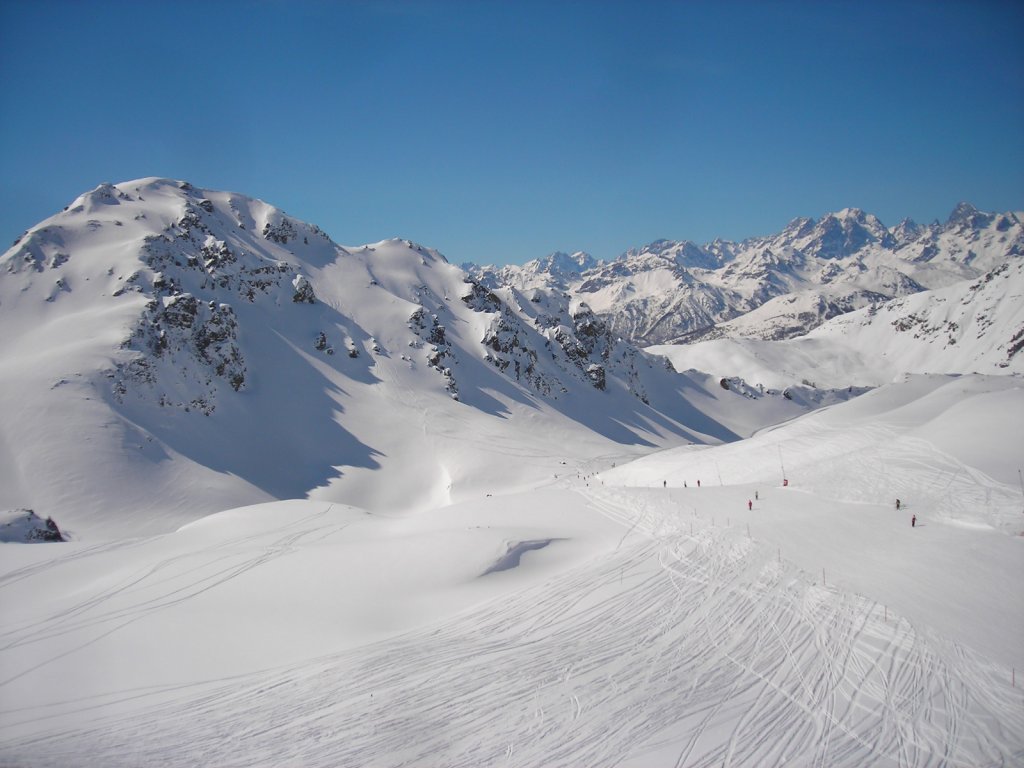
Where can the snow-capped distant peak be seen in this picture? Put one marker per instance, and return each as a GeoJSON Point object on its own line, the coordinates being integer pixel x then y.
{"type": "Point", "coordinates": [561, 263]}
{"type": "Point", "coordinates": [966, 216]}
{"type": "Point", "coordinates": [681, 253]}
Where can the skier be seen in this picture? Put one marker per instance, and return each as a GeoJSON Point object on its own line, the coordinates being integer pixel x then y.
{"type": "Point", "coordinates": [684, 484]}
{"type": "Point", "coordinates": [698, 483]}
{"type": "Point", "coordinates": [756, 497]}
{"type": "Point", "coordinates": [664, 483]}
{"type": "Point", "coordinates": [897, 505]}
{"type": "Point", "coordinates": [913, 521]}
{"type": "Point", "coordinates": [750, 505]}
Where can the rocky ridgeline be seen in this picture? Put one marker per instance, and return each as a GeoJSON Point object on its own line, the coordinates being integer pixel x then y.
{"type": "Point", "coordinates": [546, 337]}
{"type": "Point", "coordinates": [187, 334]}
{"type": "Point", "coordinates": [679, 291]}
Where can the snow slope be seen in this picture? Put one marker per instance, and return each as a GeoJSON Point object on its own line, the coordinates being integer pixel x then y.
{"type": "Point", "coordinates": [970, 326]}
{"type": "Point", "coordinates": [604, 619]}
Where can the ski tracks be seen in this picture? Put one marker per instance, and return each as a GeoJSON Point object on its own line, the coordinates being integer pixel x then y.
{"type": "Point", "coordinates": [702, 646]}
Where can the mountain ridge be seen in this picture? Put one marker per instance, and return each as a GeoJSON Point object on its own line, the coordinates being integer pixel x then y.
{"type": "Point", "coordinates": [678, 291]}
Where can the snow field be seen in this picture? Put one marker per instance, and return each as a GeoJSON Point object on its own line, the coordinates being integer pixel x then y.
{"type": "Point", "coordinates": [658, 647]}
{"type": "Point", "coordinates": [656, 626]}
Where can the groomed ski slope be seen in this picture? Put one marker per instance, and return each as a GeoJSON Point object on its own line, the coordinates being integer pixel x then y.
{"type": "Point", "coordinates": [612, 617]}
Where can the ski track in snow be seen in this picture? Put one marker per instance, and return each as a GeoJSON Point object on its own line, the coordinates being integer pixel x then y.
{"type": "Point", "coordinates": [685, 649]}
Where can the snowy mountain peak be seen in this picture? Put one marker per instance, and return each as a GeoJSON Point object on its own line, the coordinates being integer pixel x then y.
{"type": "Point", "coordinates": [682, 253]}
{"type": "Point", "coordinates": [966, 216]}
{"type": "Point", "coordinates": [962, 211]}
{"type": "Point", "coordinates": [845, 232]}
{"type": "Point", "coordinates": [561, 263]}
{"type": "Point", "coordinates": [906, 231]}
{"type": "Point", "coordinates": [798, 227]}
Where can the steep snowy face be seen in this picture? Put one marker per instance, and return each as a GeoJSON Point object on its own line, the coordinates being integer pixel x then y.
{"type": "Point", "coordinates": [671, 292]}
{"type": "Point", "coordinates": [974, 326]}
{"type": "Point", "coordinates": [843, 234]}
{"type": "Point", "coordinates": [966, 216]}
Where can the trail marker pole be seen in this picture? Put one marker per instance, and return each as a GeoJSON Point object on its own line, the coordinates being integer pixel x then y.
{"type": "Point", "coordinates": [823, 577]}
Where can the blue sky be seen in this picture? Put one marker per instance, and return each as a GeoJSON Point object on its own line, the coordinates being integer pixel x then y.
{"type": "Point", "coordinates": [498, 132]}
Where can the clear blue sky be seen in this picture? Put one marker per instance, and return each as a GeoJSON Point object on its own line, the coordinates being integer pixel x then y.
{"type": "Point", "coordinates": [498, 132]}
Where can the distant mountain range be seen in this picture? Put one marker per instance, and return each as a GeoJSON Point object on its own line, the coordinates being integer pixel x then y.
{"type": "Point", "coordinates": [774, 287]}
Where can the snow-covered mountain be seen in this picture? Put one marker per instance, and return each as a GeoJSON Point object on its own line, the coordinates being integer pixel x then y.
{"type": "Point", "coordinates": [556, 270]}
{"type": "Point", "coordinates": [174, 351]}
{"type": "Point", "coordinates": [350, 506]}
{"type": "Point", "coordinates": [782, 285]}
{"type": "Point", "coordinates": [974, 326]}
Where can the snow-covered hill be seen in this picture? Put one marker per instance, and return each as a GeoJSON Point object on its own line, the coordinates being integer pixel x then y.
{"type": "Point", "coordinates": [171, 351]}
{"type": "Point", "coordinates": [782, 285]}
{"type": "Point", "coordinates": [619, 616]}
{"type": "Point", "coordinates": [971, 326]}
